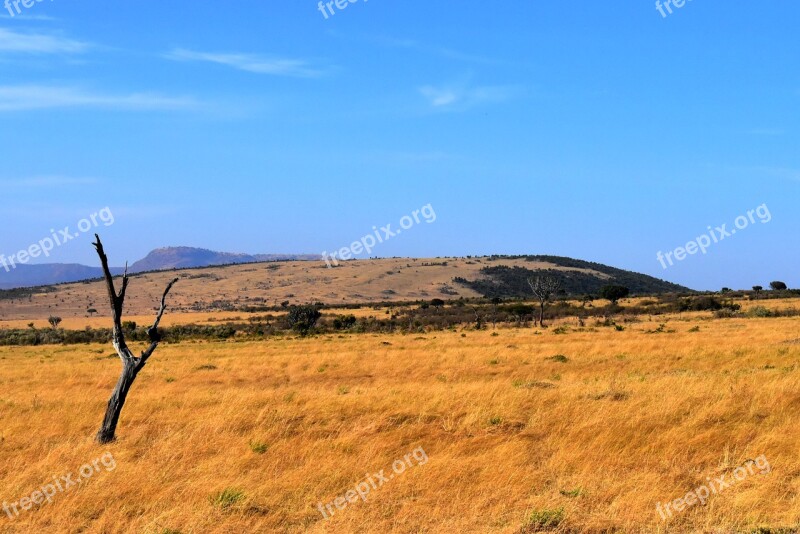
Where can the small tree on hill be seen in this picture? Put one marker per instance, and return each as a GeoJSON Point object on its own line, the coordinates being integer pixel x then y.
{"type": "Point", "coordinates": [778, 286]}
{"type": "Point", "coordinates": [614, 293]}
{"type": "Point", "coordinates": [54, 321]}
{"type": "Point", "coordinates": [495, 302]}
{"type": "Point", "coordinates": [545, 289]}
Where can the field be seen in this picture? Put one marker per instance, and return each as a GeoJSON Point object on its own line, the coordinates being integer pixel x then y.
{"type": "Point", "coordinates": [522, 430]}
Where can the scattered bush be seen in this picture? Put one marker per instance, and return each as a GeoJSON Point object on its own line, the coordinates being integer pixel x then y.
{"type": "Point", "coordinates": [344, 322]}
{"type": "Point", "coordinates": [303, 318]}
{"type": "Point", "coordinates": [227, 498]}
{"type": "Point", "coordinates": [540, 520]}
{"type": "Point", "coordinates": [258, 447]}
{"type": "Point", "coordinates": [760, 311]}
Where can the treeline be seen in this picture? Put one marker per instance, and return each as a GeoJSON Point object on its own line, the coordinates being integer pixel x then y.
{"type": "Point", "coordinates": [417, 318]}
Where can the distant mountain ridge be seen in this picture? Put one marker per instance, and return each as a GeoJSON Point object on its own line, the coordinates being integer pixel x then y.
{"type": "Point", "coordinates": [189, 257]}
{"type": "Point", "coordinates": [161, 259]}
{"type": "Point", "coordinates": [42, 275]}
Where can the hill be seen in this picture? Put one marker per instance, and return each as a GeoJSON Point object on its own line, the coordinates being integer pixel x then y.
{"type": "Point", "coordinates": [577, 277]}
{"type": "Point", "coordinates": [256, 286]}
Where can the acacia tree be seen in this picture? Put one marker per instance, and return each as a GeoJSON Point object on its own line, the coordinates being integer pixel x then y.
{"type": "Point", "coordinates": [545, 289]}
{"type": "Point", "coordinates": [614, 293]}
{"type": "Point", "coordinates": [131, 365]}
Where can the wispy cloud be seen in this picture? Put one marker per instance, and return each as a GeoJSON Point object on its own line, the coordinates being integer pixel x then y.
{"type": "Point", "coordinates": [461, 97]}
{"type": "Point", "coordinates": [51, 181]}
{"type": "Point", "coordinates": [31, 97]}
{"type": "Point", "coordinates": [39, 43]}
{"type": "Point", "coordinates": [439, 97]}
{"type": "Point", "coordinates": [250, 63]}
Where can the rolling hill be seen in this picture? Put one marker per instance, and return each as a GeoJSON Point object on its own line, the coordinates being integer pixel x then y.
{"type": "Point", "coordinates": [257, 286]}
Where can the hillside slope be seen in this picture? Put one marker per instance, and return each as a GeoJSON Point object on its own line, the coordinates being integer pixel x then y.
{"type": "Point", "coordinates": [251, 287]}
{"type": "Point", "coordinates": [577, 277]}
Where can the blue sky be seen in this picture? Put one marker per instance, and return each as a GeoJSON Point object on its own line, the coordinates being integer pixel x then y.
{"type": "Point", "coordinates": [593, 130]}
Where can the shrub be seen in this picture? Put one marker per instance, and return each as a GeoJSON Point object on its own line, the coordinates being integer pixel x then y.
{"type": "Point", "coordinates": [227, 498]}
{"type": "Point", "coordinates": [303, 318]}
{"type": "Point", "coordinates": [706, 303]}
{"type": "Point", "coordinates": [726, 313]}
{"type": "Point", "coordinates": [258, 447]}
{"type": "Point", "coordinates": [343, 322]}
{"type": "Point", "coordinates": [544, 520]}
{"type": "Point", "coordinates": [614, 293]}
{"type": "Point", "coordinates": [759, 311]}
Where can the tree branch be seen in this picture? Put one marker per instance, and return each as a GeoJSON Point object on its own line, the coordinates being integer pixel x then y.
{"type": "Point", "coordinates": [152, 332]}
{"type": "Point", "coordinates": [122, 291]}
{"type": "Point", "coordinates": [112, 292]}
{"type": "Point", "coordinates": [116, 300]}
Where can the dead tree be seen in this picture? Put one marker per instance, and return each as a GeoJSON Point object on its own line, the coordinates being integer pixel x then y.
{"type": "Point", "coordinates": [545, 290]}
{"type": "Point", "coordinates": [131, 365]}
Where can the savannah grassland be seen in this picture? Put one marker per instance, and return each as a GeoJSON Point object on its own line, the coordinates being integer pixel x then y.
{"type": "Point", "coordinates": [587, 442]}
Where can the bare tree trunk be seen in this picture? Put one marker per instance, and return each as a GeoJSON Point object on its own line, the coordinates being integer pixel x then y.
{"type": "Point", "coordinates": [541, 314]}
{"type": "Point", "coordinates": [131, 365]}
{"type": "Point", "coordinates": [116, 402]}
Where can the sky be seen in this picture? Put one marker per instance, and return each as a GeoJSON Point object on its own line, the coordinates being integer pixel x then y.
{"type": "Point", "coordinates": [601, 131]}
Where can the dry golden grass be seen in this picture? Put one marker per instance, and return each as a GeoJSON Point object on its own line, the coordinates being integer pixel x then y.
{"type": "Point", "coordinates": [631, 419]}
